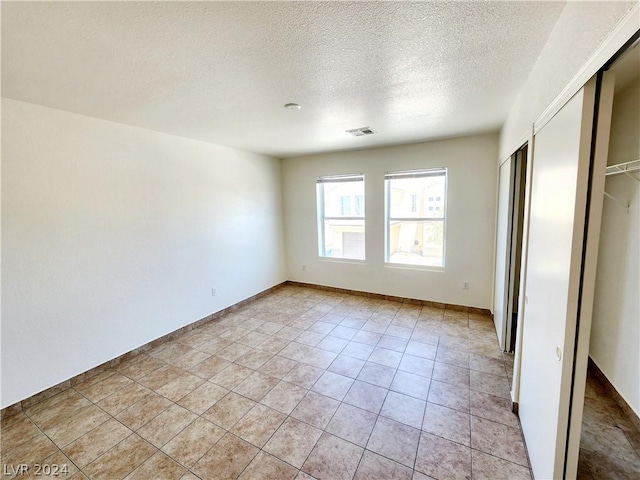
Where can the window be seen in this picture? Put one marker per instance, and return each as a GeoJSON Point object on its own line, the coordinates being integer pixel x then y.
{"type": "Point", "coordinates": [345, 205]}
{"type": "Point", "coordinates": [415, 236]}
{"type": "Point", "coordinates": [341, 232]}
{"type": "Point", "coordinates": [360, 205]}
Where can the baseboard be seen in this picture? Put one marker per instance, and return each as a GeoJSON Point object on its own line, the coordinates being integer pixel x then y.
{"type": "Point", "coordinates": [594, 371]}
{"type": "Point", "coordinates": [391, 298]}
{"type": "Point", "coordinates": [61, 387]}
{"type": "Point", "coordinates": [56, 389]}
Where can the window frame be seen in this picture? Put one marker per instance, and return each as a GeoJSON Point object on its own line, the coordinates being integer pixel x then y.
{"type": "Point", "coordinates": [322, 218]}
{"type": "Point", "coordinates": [427, 172]}
{"type": "Point", "coordinates": [359, 204]}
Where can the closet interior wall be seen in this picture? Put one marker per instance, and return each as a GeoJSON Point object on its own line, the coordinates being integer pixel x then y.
{"type": "Point", "coordinates": [615, 332]}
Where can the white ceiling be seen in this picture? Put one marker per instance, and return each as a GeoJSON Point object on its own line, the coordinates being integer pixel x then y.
{"type": "Point", "coordinates": [222, 71]}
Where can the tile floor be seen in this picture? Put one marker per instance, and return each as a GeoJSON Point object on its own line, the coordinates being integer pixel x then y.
{"type": "Point", "coordinates": [610, 442]}
{"type": "Point", "coordinates": [302, 384]}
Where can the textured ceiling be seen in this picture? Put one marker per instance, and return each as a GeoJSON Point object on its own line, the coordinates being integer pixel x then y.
{"type": "Point", "coordinates": [222, 71]}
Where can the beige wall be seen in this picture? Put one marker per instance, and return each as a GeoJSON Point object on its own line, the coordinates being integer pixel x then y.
{"type": "Point", "coordinates": [470, 229]}
{"type": "Point", "coordinates": [113, 236]}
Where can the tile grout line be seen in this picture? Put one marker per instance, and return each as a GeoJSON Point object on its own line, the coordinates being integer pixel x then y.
{"type": "Point", "coordinates": [133, 432]}
{"type": "Point", "coordinates": [388, 388]}
{"type": "Point", "coordinates": [50, 439]}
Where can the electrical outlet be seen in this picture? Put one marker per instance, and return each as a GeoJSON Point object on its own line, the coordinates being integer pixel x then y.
{"type": "Point", "coordinates": [465, 286]}
{"type": "Point", "coordinates": [213, 292]}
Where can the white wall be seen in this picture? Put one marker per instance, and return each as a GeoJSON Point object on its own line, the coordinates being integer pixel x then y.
{"type": "Point", "coordinates": [615, 331]}
{"type": "Point", "coordinates": [470, 229]}
{"type": "Point", "coordinates": [579, 31]}
{"type": "Point", "coordinates": [113, 236]}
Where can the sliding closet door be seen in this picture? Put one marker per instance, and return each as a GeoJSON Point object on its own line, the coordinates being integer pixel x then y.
{"type": "Point", "coordinates": [556, 237]}
{"type": "Point", "coordinates": [503, 252]}
{"type": "Point", "coordinates": [596, 199]}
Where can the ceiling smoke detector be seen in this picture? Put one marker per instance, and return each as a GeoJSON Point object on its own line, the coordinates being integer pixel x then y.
{"type": "Point", "coordinates": [359, 132]}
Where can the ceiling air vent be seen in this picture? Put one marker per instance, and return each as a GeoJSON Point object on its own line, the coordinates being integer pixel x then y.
{"type": "Point", "coordinates": [359, 132]}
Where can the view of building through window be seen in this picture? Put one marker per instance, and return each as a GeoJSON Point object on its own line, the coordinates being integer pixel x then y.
{"type": "Point", "coordinates": [415, 223]}
{"type": "Point", "coordinates": [415, 217]}
{"type": "Point", "coordinates": [341, 217]}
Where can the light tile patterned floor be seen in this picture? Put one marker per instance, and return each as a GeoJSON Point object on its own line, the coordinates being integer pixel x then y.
{"type": "Point", "coordinates": [302, 383]}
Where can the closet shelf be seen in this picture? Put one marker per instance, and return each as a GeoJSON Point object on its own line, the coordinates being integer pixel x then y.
{"type": "Point", "coordinates": [626, 168]}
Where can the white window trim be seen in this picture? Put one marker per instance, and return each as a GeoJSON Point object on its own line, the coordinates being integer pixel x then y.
{"type": "Point", "coordinates": [430, 172]}
{"type": "Point", "coordinates": [359, 177]}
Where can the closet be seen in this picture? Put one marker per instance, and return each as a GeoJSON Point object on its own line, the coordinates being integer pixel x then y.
{"type": "Point", "coordinates": [510, 222]}
{"type": "Point", "coordinates": [610, 442]}
{"type": "Point", "coordinates": [579, 267]}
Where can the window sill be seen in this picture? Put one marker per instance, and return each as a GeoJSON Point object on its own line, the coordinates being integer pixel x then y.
{"type": "Point", "coordinates": [421, 268]}
{"type": "Point", "coordinates": [342, 260]}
